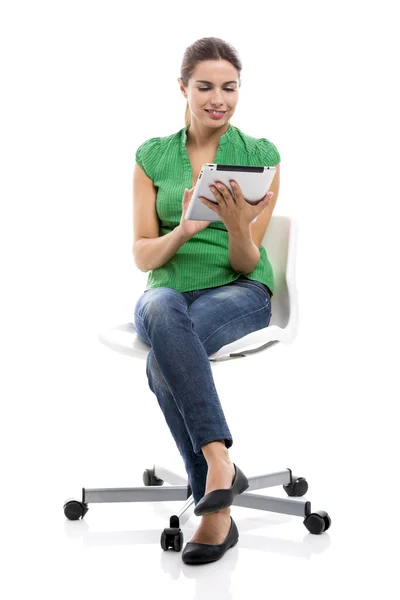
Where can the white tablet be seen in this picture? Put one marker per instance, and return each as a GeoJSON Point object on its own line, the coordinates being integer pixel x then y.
{"type": "Point", "coordinates": [254, 183]}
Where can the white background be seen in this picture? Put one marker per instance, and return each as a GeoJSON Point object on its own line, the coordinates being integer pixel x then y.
{"type": "Point", "coordinates": [83, 85]}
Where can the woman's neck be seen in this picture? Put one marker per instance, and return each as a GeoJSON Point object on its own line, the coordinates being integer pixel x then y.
{"type": "Point", "coordinates": [205, 137]}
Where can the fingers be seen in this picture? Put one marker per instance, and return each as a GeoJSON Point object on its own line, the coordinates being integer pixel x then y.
{"type": "Point", "coordinates": [265, 201]}
{"type": "Point", "coordinates": [187, 195]}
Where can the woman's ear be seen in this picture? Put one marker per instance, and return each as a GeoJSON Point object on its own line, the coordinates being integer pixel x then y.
{"type": "Point", "coordinates": [182, 88]}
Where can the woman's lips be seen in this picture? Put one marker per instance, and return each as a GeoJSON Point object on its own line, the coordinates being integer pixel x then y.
{"type": "Point", "coordinates": [217, 115]}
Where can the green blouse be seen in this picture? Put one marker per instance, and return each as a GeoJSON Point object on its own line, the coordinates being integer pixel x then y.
{"type": "Point", "coordinates": [203, 261]}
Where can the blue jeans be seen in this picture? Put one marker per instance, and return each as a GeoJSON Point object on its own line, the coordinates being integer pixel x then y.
{"type": "Point", "coordinates": [183, 330]}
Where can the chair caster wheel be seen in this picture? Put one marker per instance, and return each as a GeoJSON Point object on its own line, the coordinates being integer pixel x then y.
{"type": "Point", "coordinates": [297, 487]}
{"type": "Point", "coordinates": [317, 522]}
{"type": "Point", "coordinates": [172, 536]}
{"type": "Point", "coordinates": [75, 509]}
{"type": "Point", "coordinates": [150, 478]}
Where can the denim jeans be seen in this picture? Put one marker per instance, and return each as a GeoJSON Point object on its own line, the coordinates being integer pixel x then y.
{"type": "Point", "coordinates": [183, 330]}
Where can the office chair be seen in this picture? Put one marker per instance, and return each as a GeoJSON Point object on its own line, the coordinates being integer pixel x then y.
{"type": "Point", "coordinates": [280, 243]}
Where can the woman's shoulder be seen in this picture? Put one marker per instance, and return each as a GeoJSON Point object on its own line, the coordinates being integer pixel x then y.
{"type": "Point", "coordinates": [154, 144]}
{"type": "Point", "coordinates": [149, 146]}
{"type": "Point", "coordinates": [146, 155]}
{"type": "Point", "coordinates": [268, 152]}
{"type": "Point", "coordinates": [263, 148]}
{"type": "Point", "coordinates": [151, 152]}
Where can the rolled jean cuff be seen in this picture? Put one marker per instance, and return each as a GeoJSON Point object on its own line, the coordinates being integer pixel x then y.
{"type": "Point", "coordinates": [228, 443]}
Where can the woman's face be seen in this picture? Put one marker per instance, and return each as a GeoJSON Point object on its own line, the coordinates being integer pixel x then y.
{"type": "Point", "coordinates": [214, 84]}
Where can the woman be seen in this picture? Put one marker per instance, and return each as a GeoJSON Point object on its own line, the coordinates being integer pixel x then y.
{"type": "Point", "coordinates": [209, 283]}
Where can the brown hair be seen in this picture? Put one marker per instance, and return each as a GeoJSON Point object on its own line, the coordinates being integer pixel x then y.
{"type": "Point", "coordinates": [208, 48]}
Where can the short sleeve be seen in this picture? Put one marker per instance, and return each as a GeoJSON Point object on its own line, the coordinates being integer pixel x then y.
{"type": "Point", "coordinates": [147, 156]}
{"type": "Point", "coordinates": [269, 154]}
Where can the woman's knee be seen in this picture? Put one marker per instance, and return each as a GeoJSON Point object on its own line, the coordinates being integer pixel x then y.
{"type": "Point", "coordinates": [158, 303]}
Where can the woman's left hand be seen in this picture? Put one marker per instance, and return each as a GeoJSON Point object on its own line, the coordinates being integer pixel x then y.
{"type": "Point", "coordinates": [234, 211]}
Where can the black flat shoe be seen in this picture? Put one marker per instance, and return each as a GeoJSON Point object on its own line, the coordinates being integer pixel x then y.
{"type": "Point", "coordinates": [195, 553]}
{"type": "Point", "coordinates": [219, 499]}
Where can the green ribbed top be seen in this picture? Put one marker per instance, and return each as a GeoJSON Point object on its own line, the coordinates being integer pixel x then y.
{"type": "Point", "coordinates": [203, 261]}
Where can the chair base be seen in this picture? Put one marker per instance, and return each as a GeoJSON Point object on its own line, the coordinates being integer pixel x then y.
{"type": "Point", "coordinates": [316, 522]}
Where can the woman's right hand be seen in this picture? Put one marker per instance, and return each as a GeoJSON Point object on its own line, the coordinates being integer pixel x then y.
{"type": "Point", "coordinates": [190, 228]}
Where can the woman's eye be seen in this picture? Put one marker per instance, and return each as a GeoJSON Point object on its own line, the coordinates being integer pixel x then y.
{"type": "Point", "coordinates": [206, 88]}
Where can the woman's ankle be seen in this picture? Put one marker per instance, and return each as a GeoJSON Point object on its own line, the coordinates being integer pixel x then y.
{"type": "Point", "coordinates": [218, 515]}
{"type": "Point", "coordinates": [216, 452]}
